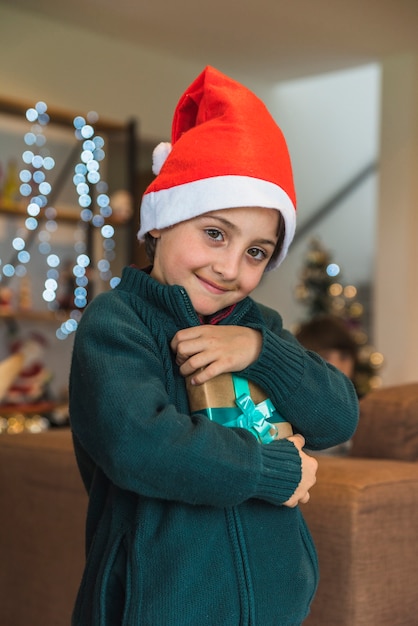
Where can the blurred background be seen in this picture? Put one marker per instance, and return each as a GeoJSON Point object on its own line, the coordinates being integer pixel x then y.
{"type": "Point", "coordinates": [341, 80]}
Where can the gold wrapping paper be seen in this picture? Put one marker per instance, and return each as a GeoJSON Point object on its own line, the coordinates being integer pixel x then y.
{"type": "Point", "coordinates": [219, 392]}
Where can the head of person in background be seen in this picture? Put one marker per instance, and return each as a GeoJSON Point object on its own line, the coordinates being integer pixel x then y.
{"type": "Point", "coordinates": [329, 336]}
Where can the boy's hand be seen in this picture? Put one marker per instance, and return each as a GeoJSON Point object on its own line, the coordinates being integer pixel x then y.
{"type": "Point", "coordinates": [210, 350]}
{"type": "Point", "coordinates": [309, 468]}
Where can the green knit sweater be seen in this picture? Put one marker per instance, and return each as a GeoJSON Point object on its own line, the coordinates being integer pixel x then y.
{"type": "Point", "coordinates": [185, 525]}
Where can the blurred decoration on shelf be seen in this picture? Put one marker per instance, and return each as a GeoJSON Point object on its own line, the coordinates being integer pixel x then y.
{"type": "Point", "coordinates": [6, 299]}
{"type": "Point", "coordinates": [322, 292]}
{"type": "Point", "coordinates": [26, 404]}
{"type": "Point", "coordinates": [23, 423]}
{"type": "Point", "coordinates": [23, 374]}
{"type": "Point", "coordinates": [10, 186]}
{"type": "Point", "coordinates": [121, 202]}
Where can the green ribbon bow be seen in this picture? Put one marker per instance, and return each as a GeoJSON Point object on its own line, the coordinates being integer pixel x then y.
{"type": "Point", "coordinates": [253, 417]}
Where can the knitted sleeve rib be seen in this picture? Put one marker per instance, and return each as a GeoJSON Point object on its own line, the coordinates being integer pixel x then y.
{"type": "Point", "coordinates": [281, 473]}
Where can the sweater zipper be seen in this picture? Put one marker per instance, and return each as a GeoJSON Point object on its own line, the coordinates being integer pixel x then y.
{"type": "Point", "coordinates": [244, 576]}
{"type": "Point", "coordinates": [214, 319]}
{"type": "Point", "coordinates": [246, 589]}
{"type": "Point", "coordinates": [190, 309]}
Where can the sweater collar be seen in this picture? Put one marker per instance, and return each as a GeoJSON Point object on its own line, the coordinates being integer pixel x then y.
{"type": "Point", "coordinates": [217, 317]}
{"type": "Point", "coordinates": [173, 298]}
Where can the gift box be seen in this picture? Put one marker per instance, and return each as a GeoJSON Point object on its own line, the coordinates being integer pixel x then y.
{"type": "Point", "coordinates": [234, 401]}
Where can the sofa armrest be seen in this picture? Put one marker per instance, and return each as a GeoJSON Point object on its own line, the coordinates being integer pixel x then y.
{"type": "Point", "coordinates": [363, 517]}
{"type": "Point", "coordinates": [43, 505]}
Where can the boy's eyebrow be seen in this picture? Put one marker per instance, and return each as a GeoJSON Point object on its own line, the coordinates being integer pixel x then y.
{"type": "Point", "coordinates": [233, 226]}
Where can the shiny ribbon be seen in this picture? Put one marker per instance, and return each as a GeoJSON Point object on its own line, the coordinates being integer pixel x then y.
{"type": "Point", "coordinates": [253, 417]}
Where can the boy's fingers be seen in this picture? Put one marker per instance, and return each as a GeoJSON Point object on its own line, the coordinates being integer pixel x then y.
{"type": "Point", "coordinates": [298, 440]}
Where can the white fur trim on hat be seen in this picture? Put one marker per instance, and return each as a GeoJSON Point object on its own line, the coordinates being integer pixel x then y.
{"type": "Point", "coordinates": [166, 207]}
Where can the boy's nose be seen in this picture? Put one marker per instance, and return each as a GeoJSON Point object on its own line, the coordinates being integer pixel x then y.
{"type": "Point", "coordinates": [227, 265]}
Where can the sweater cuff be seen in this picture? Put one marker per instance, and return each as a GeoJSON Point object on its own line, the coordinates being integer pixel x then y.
{"type": "Point", "coordinates": [281, 472]}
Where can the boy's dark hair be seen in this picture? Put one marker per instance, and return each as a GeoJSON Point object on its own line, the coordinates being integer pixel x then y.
{"type": "Point", "coordinates": [150, 244]}
{"type": "Point", "coordinates": [327, 332]}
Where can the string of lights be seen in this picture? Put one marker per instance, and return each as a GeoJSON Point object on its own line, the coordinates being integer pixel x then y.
{"type": "Point", "coordinates": [41, 214]}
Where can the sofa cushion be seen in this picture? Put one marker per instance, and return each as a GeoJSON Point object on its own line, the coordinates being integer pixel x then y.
{"type": "Point", "coordinates": [388, 425]}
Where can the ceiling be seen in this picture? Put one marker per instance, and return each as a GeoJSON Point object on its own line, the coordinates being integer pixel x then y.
{"type": "Point", "coordinates": [271, 40]}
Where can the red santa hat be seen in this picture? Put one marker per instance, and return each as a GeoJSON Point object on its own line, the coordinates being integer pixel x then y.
{"type": "Point", "coordinates": [226, 151]}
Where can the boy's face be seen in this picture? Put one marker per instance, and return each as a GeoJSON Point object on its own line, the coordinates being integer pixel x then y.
{"type": "Point", "coordinates": [342, 361]}
{"type": "Point", "coordinates": [218, 257]}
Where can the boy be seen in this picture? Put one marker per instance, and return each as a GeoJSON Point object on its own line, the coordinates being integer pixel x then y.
{"type": "Point", "coordinates": [329, 336]}
{"type": "Point", "coordinates": [190, 522]}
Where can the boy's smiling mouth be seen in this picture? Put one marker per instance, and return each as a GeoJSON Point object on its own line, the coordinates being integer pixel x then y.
{"type": "Point", "coordinates": [213, 287]}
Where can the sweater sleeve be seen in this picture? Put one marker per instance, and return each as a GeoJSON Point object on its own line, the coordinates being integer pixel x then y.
{"type": "Point", "coordinates": [125, 423]}
{"type": "Point", "coordinates": [315, 397]}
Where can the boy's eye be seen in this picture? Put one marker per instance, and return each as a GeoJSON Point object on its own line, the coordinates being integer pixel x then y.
{"type": "Point", "coordinates": [214, 233]}
{"type": "Point", "coordinates": [257, 253]}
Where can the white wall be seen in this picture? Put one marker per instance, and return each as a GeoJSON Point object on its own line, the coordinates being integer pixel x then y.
{"type": "Point", "coordinates": [76, 70]}
{"type": "Point", "coordinates": [331, 123]}
{"type": "Point", "coordinates": [396, 301]}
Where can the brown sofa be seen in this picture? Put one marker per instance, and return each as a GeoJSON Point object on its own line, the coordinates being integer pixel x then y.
{"type": "Point", "coordinates": [363, 514]}
{"type": "Point", "coordinates": [43, 506]}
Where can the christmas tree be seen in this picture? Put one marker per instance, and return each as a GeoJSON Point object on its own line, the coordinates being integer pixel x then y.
{"type": "Point", "coordinates": [322, 292]}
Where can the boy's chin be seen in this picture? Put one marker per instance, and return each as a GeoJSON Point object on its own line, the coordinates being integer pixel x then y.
{"type": "Point", "coordinates": [207, 310]}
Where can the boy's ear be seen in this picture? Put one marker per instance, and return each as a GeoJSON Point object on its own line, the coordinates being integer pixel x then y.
{"type": "Point", "coordinates": [155, 232]}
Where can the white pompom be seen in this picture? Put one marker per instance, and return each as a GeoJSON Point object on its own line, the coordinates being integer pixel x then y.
{"type": "Point", "coordinates": [159, 156]}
